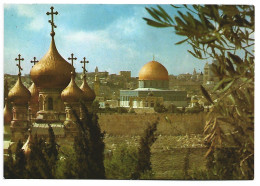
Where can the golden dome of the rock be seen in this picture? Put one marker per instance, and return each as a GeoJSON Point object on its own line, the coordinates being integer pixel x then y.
{"type": "Point", "coordinates": [34, 94]}
{"type": "Point", "coordinates": [72, 93]}
{"type": "Point", "coordinates": [7, 114]}
{"type": "Point", "coordinates": [89, 94]}
{"type": "Point", "coordinates": [153, 70]}
{"type": "Point", "coordinates": [52, 71]}
{"type": "Point", "coordinates": [19, 94]}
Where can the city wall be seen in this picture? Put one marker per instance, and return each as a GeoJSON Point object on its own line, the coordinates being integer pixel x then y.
{"type": "Point", "coordinates": [135, 124]}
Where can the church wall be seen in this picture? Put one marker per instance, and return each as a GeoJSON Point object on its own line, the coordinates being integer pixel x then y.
{"type": "Point", "coordinates": [176, 103]}
{"type": "Point", "coordinates": [135, 124]}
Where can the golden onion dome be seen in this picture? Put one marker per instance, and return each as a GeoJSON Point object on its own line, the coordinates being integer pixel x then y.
{"type": "Point", "coordinates": [153, 70]}
{"type": "Point", "coordinates": [7, 114]}
{"type": "Point", "coordinates": [26, 147]}
{"type": "Point", "coordinates": [89, 94]}
{"type": "Point", "coordinates": [34, 94]}
{"type": "Point", "coordinates": [72, 93]}
{"type": "Point", "coordinates": [19, 94]}
{"type": "Point", "coordinates": [52, 71]}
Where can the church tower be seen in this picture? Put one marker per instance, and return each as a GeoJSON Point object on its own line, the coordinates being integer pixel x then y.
{"type": "Point", "coordinates": [89, 94]}
{"type": "Point", "coordinates": [51, 75]}
{"type": "Point", "coordinates": [71, 95]}
{"type": "Point", "coordinates": [19, 96]}
{"type": "Point", "coordinates": [97, 85]}
{"type": "Point", "coordinates": [34, 101]}
{"type": "Point", "coordinates": [206, 73]}
{"type": "Point", "coordinates": [96, 70]}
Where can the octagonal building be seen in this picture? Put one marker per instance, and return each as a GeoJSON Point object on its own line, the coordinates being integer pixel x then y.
{"type": "Point", "coordinates": [153, 88]}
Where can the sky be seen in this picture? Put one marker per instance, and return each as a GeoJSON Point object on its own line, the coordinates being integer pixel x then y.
{"type": "Point", "coordinates": [112, 37]}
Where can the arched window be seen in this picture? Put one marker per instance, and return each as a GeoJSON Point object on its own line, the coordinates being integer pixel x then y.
{"type": "Point", "coordinates": [152, 104]}
{"type": "Point", "coordinates": [50, 104]}
{"type": "Point", "coordinates": [40, 103]}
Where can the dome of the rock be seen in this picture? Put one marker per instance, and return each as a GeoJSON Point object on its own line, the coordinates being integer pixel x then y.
{"type": "Point", "coordinates": [153, 70]}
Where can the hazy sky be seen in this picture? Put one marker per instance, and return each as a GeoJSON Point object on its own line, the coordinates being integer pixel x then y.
{"type": "Point", "coordinates": [112, 37]}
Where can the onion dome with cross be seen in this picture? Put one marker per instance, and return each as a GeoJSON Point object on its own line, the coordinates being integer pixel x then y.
{"type": "Point", "coordinates": [33, 89]}
{"type": "Point", "coordinates": [89, 94]}
{"type": "Point", "coordinates": [19, 94]}
{"type": "Point", "coordinates": [52, 71]}
{"type": "Point", "coordinates": [72, 93]}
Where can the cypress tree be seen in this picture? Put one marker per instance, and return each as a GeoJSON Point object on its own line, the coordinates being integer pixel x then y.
{"type": "Point", "coordinates": [37, 164]}
{"type": "Point", "coordinates": [9, 165]}
{"type": "Point", "coordinates": [89, 146]}
{"type": "Point", "coordinates": [144, 151]}
{"type": "Point", "coordinates": [20, 161]}
{"type": "Point", "coordinates": [51, 151]}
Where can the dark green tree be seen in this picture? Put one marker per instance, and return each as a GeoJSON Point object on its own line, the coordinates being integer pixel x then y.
{"type": "Point", "coordinates": [89, 147]}
{"type": "Point", "coordinates": [224, 34]}
{"type": "Point", "coordinates": [144, 151]}
{"type": "Point", "coordinates": [37, 164]}
{"type": "Point", "coordinates": [20, 161]}
{"type": "Point", "coordinates": [51, 151]}
{"type": "Point", "coordinates": [122, 162]}
{"type": "Point", "coordinates": [159, 108]}
{"type": "Point", "coordinates": [9, 165]}
{"type": "Point", "coordinates": [95, 106]}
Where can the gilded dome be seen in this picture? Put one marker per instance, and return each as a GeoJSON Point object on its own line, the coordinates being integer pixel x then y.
{"type": "Point", "coordinates": [26, 147]}
{"type": "Point", "coordinates": [89, 94]}
{"type": "Point", "coordinates": [153, 70]}
{"type": "Point", "coordinates": [34, 94]}
{"type": "Point", "coordinates": [52, 71]}
{"type": "Point", "coordinates": [19, 94]}
{"type": "Point", "coordinates": [7, 114]}
{"type": "Point", "coordinates": [72, 93]}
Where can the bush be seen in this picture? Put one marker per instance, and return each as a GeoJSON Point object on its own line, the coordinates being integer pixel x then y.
{"type": "Point", "coordinates": [121, 164]}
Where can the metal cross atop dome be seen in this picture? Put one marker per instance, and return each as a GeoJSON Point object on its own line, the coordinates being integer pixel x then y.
{"type": "Point", "coordinates": [72, 58]}
{"type": "Point", "coordinates": [153, 57]}
{"type": "Point", "coordinates": [84, 65]}
{"type": "Point", "coordinates": [19, 59]}
{"type": "Point", "coordinates": [52, 21]}
{"type": "Point", "coordinates": [34, 61]}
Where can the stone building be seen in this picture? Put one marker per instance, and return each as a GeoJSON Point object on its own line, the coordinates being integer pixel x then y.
{"type": "Point", "coordinates": [153, 88]}
{"type": "Point", "coordinates": [209, 78]}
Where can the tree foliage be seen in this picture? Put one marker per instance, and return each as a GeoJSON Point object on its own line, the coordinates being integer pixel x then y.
{"type": "Point", "coordinates": [224, 34]}
{"type": "Point", "coordinates": [89, 147]}
{"type": "Point", "coordinates": [39, 163]}
{"type": "Point", "coordinates": [122, 162]}
{"type": "Point", "coordinates": [144, 151]}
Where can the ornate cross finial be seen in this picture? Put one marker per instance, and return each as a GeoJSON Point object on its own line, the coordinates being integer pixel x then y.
{"type": "Point", "coordinates": [84, 65]}
{"type": "Point", "coordinates": [19, 59]}
{"type": "Point", "coordinates": [153, 57]}
{"type": "Point", "coordinates": [34, 61]}
{"type": "Point", "coordinates": [52, 21]}
{"type": "Point", "coordinates": [72, 58]}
